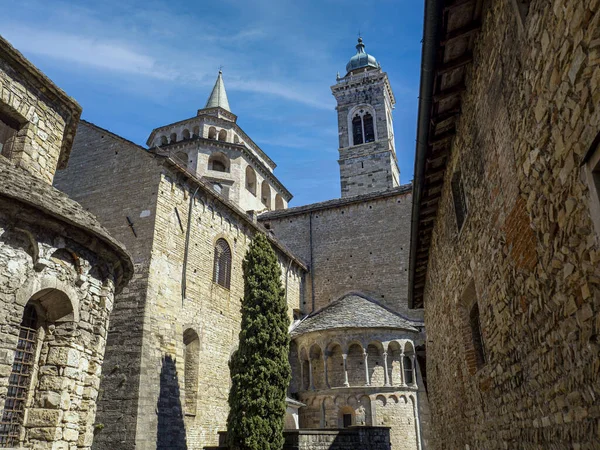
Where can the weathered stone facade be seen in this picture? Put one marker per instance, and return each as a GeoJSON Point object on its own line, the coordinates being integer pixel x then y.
{"type": "Point", "coordinates": [166, 373]}
{"type": "Point", "coordinates": [371, 438]}
{"type": "Point", "coordinates": [214, 146]}
{"type": "Point", "coordinates": [355, 365]}
{"type": "Point", "coordinates": [366, 129]}
{"type": "Point", "coordinates": [525, 263]}
{"type": "Point", "coordinates": [59, 272]}
{"type": "Point", "coordinates": [352, 365]}
{"type": "Point", "coordinates": [356, 244]}
{"type": "Point", "coordinates": [175, 206]}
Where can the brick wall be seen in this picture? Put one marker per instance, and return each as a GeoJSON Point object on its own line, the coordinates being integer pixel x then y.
{"type": "Point", "coordinates": [528, 247]}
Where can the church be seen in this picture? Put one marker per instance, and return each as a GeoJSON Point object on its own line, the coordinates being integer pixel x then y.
{"type": "Point", "coordinates": [186, 208]}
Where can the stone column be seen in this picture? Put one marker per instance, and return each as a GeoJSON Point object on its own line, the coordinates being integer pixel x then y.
{"type": "Point", "coordinates": [345, 356]}
{"type": "Point", "coordinates": [366, 356]}
{"type": "Point", "coordinates": [325, 357]}
{"type": "Point", "coordinates": [403, 382]}
{"type": "Point", "coordinates": [301, 375]}
{"type": "Point", "coordinates": [385, 368]}
{"type": "Point", "coordinates": [414, 369]}
{"type": "Point", "coordinates": [310, 375]}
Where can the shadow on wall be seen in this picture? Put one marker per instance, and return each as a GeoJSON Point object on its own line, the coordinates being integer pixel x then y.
{"type": "Point", "coordinates": [170, 433]}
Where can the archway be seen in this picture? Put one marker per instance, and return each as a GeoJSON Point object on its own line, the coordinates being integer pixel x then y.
{"type": "Point", "coordinates": [279, 202]}
{"type": "Point", "coordinates": [376, 364]}
{"type": "Point", "coordinates": [49, 312]}
{"type": "Point", "coordinates": [355, 365]}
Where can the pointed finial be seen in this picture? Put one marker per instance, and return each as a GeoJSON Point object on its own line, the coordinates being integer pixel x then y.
{"type": "Point", "coordinates": [360, 47]}
{"type": "Point", "coordinates": [218, 96]}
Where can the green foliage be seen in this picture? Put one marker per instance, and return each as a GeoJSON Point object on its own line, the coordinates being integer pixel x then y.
{"type": "Point", "coordinates": [260, 369]}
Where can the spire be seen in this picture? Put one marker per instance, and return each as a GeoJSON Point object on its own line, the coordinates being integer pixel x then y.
{"type": "Point", "coordinates": [218, 96]}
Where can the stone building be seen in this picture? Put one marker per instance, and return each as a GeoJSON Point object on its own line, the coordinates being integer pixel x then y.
{"type": "Point", "coordinates": [356, 357]}
{"type": "Point", "coordinates": [166, 374]}
{"type": "Point", "coordinates": [187, 208]}
{"type": "Point", "coordinates": [505, 247]}
{"type": "Point", "coordinates": [59, 271]}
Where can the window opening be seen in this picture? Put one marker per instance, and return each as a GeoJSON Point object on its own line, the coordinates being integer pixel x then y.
{"type": "Point", "coordinates": [19, 380]}
{"type": "Point", "coordinates": [357, 135]}
{"type": "Point", "coordinates": [8, 134]}
{"type": "Point", "coordinates": [368, 127]}
{"type": "Point", "coordinates": [222, 263]}
{"type": "Point", "coordinates": [409, 375]}
{"type": "Point", "coordinates": [218, 166]}
{"type": "Point", "coordinates": [347, 418]}
{"type": "Point", "coordinates": [251, 180]}
{"type": "Point", "coordinates": [460, 201]}
{"type": "Point", "coordinates": [476, 335]}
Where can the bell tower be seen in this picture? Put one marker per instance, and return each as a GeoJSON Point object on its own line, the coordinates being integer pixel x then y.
{"type": "Point", "coordinates": [366, 134]}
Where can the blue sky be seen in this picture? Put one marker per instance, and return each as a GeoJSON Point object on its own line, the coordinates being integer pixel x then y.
{"type": "Point", "coordinates": [135, 65]}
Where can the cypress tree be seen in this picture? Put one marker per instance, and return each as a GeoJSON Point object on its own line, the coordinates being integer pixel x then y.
{"type": "Point", "coordinates": [260, 369]}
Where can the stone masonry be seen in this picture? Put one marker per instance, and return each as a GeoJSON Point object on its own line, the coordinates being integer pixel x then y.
{"type": "Point", "coordinates": [195, 191]}
{"type": "Point", "coordinates": [166, 377]}
{"type": "Point", "coordinates": [59, 272]}
{"type": "Point", "coordinates": [512, 299]}
{"type": "Point", "coordinates": [356, 244]}
{"type": "Point", "coordinates": [369, 164]}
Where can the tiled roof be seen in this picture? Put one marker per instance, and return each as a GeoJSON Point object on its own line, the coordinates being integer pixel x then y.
{"type": "Point", "coordinates": [353, 311]}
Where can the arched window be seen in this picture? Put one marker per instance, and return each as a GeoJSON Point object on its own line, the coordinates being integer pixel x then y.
{"type": "Point", "coordinates": [212, 133]}
{"type": "Point", "coordinates": [196, 131]}
{"type": "Point", "coordinates": [409, 376]}
{"type": "Point", "coordinates": [173, 138]}
{"type": "Point", "coordinates": [222, 263]}
{"type": "Point", "coordinates": [265, 194]}
{"type": "Point", "coordinates": [236, 139]}
{"type": "Point", "coordinates": [185, 134]}
{"type": "Point", "coordinates": [191, 366]}
{"type": "Point", "coordinates": [357, 136]}
{"type": "Point", "coordinates": [218, 162]}
{"type": "Point", "coordinates": [363, 126]}
{"type": "Point", "coordinates": [164, 140]}
{"type": "Point", "coordinates": [55, 308]}
{"type": "Point", "coordinates": [368, 127]}
{"type": "Point", "coordinates": [19, 381]}
{"type": "Point", "coordinates": [279, 202]}
{"type": "Point", "coordinates": [222, 135]}
{"type": "Point", "coordinates": [251, 180]}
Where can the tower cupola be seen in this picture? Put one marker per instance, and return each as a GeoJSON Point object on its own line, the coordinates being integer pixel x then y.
{"type": "Point", "coordinates": [362, 59]}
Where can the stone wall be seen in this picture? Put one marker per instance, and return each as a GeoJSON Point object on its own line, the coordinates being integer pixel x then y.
{"type": "Point", "coordinates": [118, 182]}
{"type": "Point", "coordinates": [368, 167]}
{"type": "Point", "coordinates": [528, 253]}
{"type": "Point", "coordinates": [352, 245]}
{"type": "Point", "coordinates": [363, 438]}
{"type": "Point", "coordinates": [210, 310]}
{"type": "Point", "coordinates": [148, 403]}
{"type": "Point", "coordinates": [39, 118]}
{"type": "Point", "coordinates": [50, 273]}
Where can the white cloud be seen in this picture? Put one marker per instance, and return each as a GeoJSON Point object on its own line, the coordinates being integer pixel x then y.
{"type": "Point", "coordinates": [107, 55]}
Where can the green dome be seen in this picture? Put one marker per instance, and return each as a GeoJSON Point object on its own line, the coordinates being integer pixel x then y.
{"type": "Point", "coordinates": [361, 59]}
